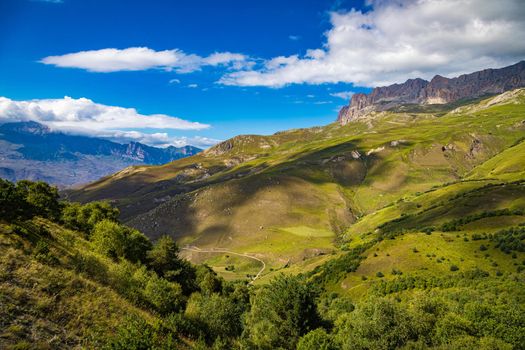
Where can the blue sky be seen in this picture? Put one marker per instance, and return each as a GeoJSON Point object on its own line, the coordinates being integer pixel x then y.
{"type": "Point", "coordinates": [281, 64]}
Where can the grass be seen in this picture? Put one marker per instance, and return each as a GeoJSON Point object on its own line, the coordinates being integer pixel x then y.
{"type": "Point", "coordinates": [47, 305]}
{"type": "Point", "coordinates": [418, 254]}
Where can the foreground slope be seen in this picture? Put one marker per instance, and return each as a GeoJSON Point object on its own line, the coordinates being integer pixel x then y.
{"type": "Point", "coordinates": [289, 197]}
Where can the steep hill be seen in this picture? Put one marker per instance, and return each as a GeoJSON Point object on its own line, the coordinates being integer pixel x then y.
{"type": "Point", "coordinates": [292, 198]}
{"type": "Point", "coordinates": [30, 150]}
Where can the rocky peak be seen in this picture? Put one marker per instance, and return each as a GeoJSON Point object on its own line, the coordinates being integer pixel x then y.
{"type": "Point", "coordinates": [439, 90]}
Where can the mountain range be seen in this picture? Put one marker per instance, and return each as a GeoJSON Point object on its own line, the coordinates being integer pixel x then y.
{"type": "Point", "coordinates": [438, 91]}
{"type": "Point", "coordinates": [30, 150]}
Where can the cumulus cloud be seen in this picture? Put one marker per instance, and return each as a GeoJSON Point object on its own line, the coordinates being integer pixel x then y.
{"type": "Point", "coordinates": [85, 117]}
{"type": "Point", "coordinates": [343, 94]}
{"type": "Point", "coordinates": [143, 58]}
{"type": "Point", "coordinates": [395, 40]}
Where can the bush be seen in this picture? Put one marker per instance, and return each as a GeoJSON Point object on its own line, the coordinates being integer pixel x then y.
{"type": "Point", "coordinates": [454, 268]}
{"type": "Point", "coordinates": [379, 274]}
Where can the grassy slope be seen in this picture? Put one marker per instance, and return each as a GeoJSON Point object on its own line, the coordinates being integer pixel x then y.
{"type": "Point", "coordinates": [279, 197]}
{"type": "Point", "coordinates": [50, 305]}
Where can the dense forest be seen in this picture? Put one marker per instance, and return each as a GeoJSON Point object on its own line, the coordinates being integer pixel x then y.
{"type": "Point", "coordinates": [71, 276]}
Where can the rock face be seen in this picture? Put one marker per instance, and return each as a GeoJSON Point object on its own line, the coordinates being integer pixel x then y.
{"type": "Point", "coordinates": [29, 150]}
{"type": "Point", "coordinates": [439, 90]}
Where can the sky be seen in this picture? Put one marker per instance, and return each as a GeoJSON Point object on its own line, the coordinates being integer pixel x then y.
{"type": "Point", "coordinates": [199, 71]}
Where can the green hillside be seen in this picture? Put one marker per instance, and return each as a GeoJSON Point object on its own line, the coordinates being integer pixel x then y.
{"type": "Point", "coordinates": [294, 197]}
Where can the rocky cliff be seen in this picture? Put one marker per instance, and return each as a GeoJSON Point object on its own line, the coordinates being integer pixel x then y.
{"type": "Point", "coordinates": [439, 90]}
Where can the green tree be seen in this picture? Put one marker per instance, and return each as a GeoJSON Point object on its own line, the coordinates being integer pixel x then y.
{"type": "Point", "coordinates": [116, 240]}
{"type": "Point", "coordinates": [220, 315]}
{"type": "Point", "coordinates": [281, 313]}
{"type": "Point", "coordinates": [137, 246]}
{"type": "Point", "coordinates": [375, 324]}
{"type": "Point", "coordinates": [207, 280]}
{"type": "Point", "coordinates": [84, 217]}
{"type": "Point", "coordinates": [316, 340]}
{"type": "Point", "coordinates": [10, 200]}
{"type": "Point", "coordinates": [164, 259]}
{"type": "Point", "coordinates": [165, 296]}
{"type": "Point", "coordinates": [110, 238]}
{"type": "Point", "coordinates": [40, 199]}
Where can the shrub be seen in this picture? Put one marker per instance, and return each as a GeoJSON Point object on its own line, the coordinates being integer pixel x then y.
{"type": "Point", "coordinates": [454, 268]}
{"type": "Point", "coordinates": [379, 274]}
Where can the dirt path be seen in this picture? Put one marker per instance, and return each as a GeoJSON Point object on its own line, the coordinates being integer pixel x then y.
{"type": "Point", "coordinates": [220, 250]}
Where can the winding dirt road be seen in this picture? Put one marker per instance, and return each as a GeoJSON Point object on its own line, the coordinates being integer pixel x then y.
{"type": "Point", "coordinates": [221, 250]}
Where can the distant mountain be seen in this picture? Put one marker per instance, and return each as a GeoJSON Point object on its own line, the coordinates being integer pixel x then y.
{"type": "Point", "coordinates": [30, 150]}
{"type": "Point", "coordinates": [439, 90]}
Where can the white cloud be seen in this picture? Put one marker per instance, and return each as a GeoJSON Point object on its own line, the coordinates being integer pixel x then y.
{"type": "Point", "coordinates": [294, 37]}
{"type": "Point", "coordinates": [174, 81]}
{"type": "Point", "coordinates": [160, 139]}
{"type": "Point", "coordinates": [396, 40]}
{"type": "Point", "coordinates": [85, 117]}
{"type": "Point", "coordinates": [224, 58]}
{"type": "Point", "coordinates": [193, 86]}
{"type": "Point", "coordinates": [343, 94]}
{"type": "Point", "coordinates": [142, 58]}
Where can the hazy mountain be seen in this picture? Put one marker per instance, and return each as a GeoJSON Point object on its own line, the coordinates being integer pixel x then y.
{"type": "Point", "coordinates": [30, 150]}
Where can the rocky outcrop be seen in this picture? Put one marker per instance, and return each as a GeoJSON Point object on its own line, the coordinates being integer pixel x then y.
{"type": "Point", "coordinates": [439, 90]}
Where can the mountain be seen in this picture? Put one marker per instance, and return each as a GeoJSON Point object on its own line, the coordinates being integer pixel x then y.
{"type": "Point", "coordinates": [295, 199]}
{"type": "Point", "coordinates": [438, 91]}
{"type": "Point", "coordinates": [32, 151]}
